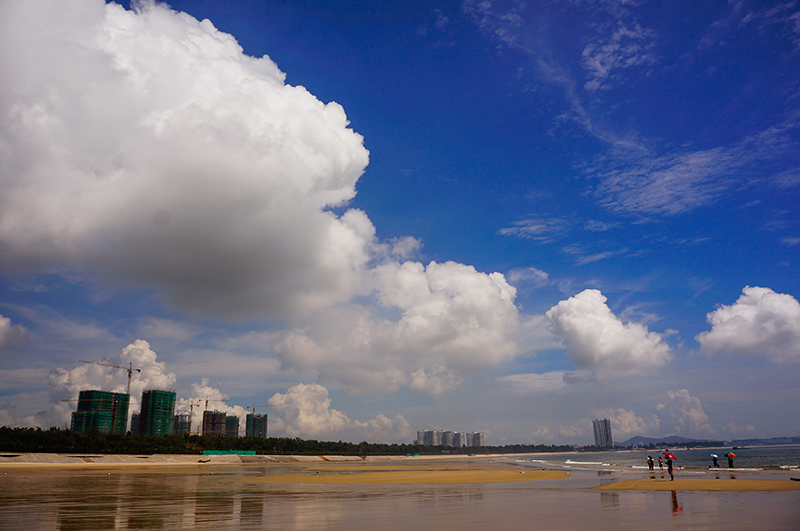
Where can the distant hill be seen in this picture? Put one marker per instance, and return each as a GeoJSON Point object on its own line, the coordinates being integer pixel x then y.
{"type": "Point", "coordinates": [670, 439]}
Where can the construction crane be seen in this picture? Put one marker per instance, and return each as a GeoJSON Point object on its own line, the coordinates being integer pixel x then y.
{"type": "Point", "coordinates": [191, 405]}
{"type": "Point", "coordinates": [253, 407]}
{"type": "Point", "coordinates": [113, 410]}
{"type": "Point", "coordinates": [130, 370]}
{"type": "Point", "coordinates": [207, 400]}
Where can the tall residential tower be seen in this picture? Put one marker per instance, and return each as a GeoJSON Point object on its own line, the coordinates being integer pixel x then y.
{"type": "Point", "coordinates": [103, 411]}
{"type": "Point", "coordinates": [602, 433]}
{"type": "Point", "coordinates": [157, 416]}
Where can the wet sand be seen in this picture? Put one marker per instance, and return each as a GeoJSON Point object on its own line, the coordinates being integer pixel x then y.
{"type": "Point", "coordinates": [399, 495]}
{"type": "Point", "coordinates": [382, 476]}
{"type": "Point", "coordinates": [705, 485]}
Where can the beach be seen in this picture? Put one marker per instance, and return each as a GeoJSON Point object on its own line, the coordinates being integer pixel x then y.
{"type": "Point", "coordinates": [346, 492]}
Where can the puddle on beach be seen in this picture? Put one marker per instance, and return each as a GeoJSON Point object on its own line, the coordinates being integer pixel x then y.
{"type": "Point", "coordinates": [177, 499]}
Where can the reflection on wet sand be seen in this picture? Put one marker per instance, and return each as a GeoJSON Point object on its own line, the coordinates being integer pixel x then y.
{"type": "Point", "coordinates": [677, 508]}
{"type": "Point", "coordinates": [184, 500]}
{"type": "Point", "coordinates": [609, 500]}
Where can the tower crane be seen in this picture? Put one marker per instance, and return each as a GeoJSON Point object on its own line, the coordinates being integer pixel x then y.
{"type": "Point", "coordinates": [113, 410]}
{"type": "Point", "coordinates": [191, 405]}
{"type": "Point", "coordinates": [207, 400]}
{"type": "Point", "coordinates": [130, 370]}
{"type": "Point", "coordinates": [253, 407]}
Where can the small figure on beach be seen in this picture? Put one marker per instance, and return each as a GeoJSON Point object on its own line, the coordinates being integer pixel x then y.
{"type": "Point", "coordinates": [650, 462]}
{"type": "Point", "coordinates": [669, 469]}
{"type": "Point", "coordinates": [714, 459]}
{"type": "Point", "coordinates": [660, 463]}
{"type": "Point", "coordinates": [730, 460]}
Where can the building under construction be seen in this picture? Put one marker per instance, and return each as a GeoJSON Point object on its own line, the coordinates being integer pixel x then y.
{"type": "Point", "coordinates": [183, 424]}
{"type": "Point", "coordinates": [231, 426]}
{"type": "Point", "coordinates": [214, 423]}
{"type": "Point", "coordinates": [103, 411]}
{"type": "Point", "coordinates": [157, 416]}
{"type": "Point", "coordinates": [255, 426]}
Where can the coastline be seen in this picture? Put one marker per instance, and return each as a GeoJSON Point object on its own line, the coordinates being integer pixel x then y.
{"type": "Point", "coordinates": [88, 460]}
{"type": "Point", "coordinates": [302, 493]}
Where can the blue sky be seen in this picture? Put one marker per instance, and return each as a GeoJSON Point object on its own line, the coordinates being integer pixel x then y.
{"type": "Point", "coordinates": [510, 217]}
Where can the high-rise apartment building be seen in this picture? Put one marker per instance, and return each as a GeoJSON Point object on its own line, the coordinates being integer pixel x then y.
{"type": "Point", "coordinates": [183, 424]}
{"type": "Point", "coordinates": [231, 426]}
{"type": "Point", "coordinates": [449, 438]}
{"type": "Point", "coordinates": [475, 439]}
{"type": "Point", "coordinates": [135, 422]}
{"type": "Point", "coordinates": [157, 416]}
{"type": "Point", "coordinates": [214, 423]}
{"type": "Point", "coordinates": [255, 426]}
{"type": "Point", "coordinates": [602, 433]}
{"type": "Point", "coordinates": [103, 411]}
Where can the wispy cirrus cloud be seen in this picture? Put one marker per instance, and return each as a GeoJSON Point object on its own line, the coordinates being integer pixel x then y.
{"type": "Point", "coordinates": [538, 229]}
{"type": "Point", "coordinates": [583, 258]}
{"type": "Point", "coordinates": [627, 47]}
{"type": "Point", "coordinates": [683, 180]}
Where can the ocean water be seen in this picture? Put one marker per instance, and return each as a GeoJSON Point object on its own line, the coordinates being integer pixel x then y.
{"type": "Point", "coordinates": [762, 458]}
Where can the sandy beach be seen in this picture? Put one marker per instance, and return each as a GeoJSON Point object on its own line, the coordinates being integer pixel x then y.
{"type": "Point", "coordinates": [706, 485]}
{"type": "Point", "coordinates": [393, 493]}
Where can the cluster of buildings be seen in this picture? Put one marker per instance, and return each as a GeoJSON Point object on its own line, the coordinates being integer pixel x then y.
{"type": "Point", "coordinates": [602, 434]}
{"type": "Point", "coordinates": [107, 412]}
{"type": "Point", "coordinates": [450, 438]}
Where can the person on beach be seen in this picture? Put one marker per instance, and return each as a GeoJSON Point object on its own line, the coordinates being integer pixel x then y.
{"type": "Point", "coordinates": [730, 461]}
{"type": "Point", "coordinates": [660, 463]}
{"type": "Point", "coordinates": [669, 469]}
{"type": "Point", "coordinates": [650, 462]}
{"type": "Point", "coordinates": [716, 463]}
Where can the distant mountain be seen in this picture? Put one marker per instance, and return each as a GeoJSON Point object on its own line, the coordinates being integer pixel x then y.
{"type": "Point", "coordinates": [670, 439]}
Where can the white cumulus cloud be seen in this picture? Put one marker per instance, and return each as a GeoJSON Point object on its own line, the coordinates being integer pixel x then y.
{"type": "Point", "coordinates": [205, 397]}
{"type": "Point", "coordinates": [447, 320]}
{"type": "Point", "coordinates": [11, 333]}
{"type": "Point", "coordinates": [307, 413]}
{"type": "Point", "coordinates": [625, 424]}
{"type": "Point", "coordinates": [597, 339]}
{"type": "Point", "coordinates": [760, 322]}
{"type": "Point", "coordinates": [683, 414]}
{"type": "Point", "coordinates": [146, 146]}
{"type": "Point", "coordinates": [66, 384]}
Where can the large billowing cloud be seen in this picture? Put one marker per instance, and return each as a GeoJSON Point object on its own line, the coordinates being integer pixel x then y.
{"type": "Point", "coordinates": [683, 414]}
{"type": "Point", "coordinates": [11, 333]}
{"type": "Point", "coordinates": [146, 146]}
{"type": "Point", "coordinates": [760, 322]}
{"type": "Point", "coordinates": [454, 321]}
{"type": "Point", "coordinates": [597, 339]}
{"type": "Point", "coordinates": [626, 424]}
{"type": "Point", "coordinates": [305, 412]}
{"type": "Point", "coordinates": [66, 384]}
{"type": "Point", "coordinates": [205, 397]}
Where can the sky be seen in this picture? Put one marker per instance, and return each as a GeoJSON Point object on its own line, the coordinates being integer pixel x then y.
{"type": "Point", "coordinates": [383, 217]}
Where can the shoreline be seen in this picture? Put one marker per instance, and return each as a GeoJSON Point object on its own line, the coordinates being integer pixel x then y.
{"type": "Point", "coordinates": [90, 460]}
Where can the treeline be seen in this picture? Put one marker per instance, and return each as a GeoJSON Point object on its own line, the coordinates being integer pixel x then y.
{"type": "Point", "coordinates": [55, 440]}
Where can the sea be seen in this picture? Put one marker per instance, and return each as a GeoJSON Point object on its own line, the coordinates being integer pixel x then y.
{"type": "Point", "coordinates": [755, 459]}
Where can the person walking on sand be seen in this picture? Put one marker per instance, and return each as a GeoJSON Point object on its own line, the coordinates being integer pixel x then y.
{"type": "Point", "coordinates": [669, 469]}
{"type": "Point", "coordinates": [650, 462]}
{"type": "Point", "coordinates": [714, 459]}
{"type": "Point", "coordinates": [730, 460]}
{"type": "Point", "coordinates": [660, 463]}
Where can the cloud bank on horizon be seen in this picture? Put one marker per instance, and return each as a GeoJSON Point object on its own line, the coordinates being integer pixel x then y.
{"type": "Point", "coordinates": [145, 156]}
